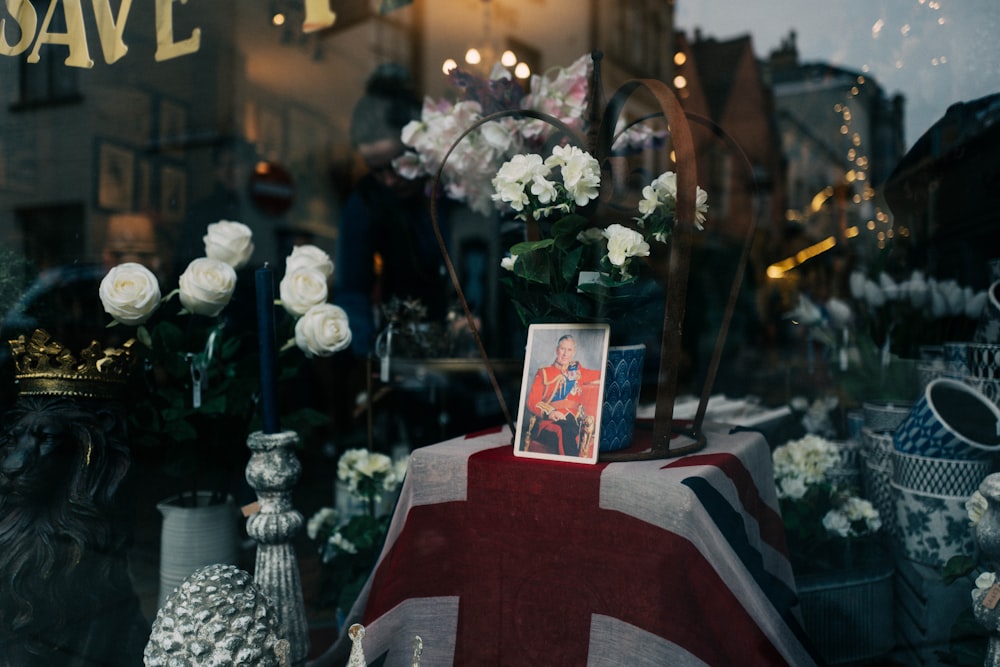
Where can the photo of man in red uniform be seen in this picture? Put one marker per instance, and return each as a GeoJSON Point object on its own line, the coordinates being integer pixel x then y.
{"type": "Point", "coordinates": [562, 404]}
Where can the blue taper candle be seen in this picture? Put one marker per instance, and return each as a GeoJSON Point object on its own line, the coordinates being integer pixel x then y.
{"type": "Point", "coordinates": [268, 349]}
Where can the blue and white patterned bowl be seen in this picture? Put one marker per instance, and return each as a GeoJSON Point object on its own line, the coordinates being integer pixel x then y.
{"type": "Point", "coordinates": [932, 528]}
{"type": "Point", "coordinates": [622, 385]}
{"type": "Point", "coordinates": [956, 359]}
{"type": "Point", "coordinates": [884, 416]}
{"type": "Point", "coordinates": [984, 360]}
{"type": "Point", "coordinates": [952, 421]}
{"type": "Point", "coordinates": [945, 477]}
{"type": "Point", "coordinates": [876, 475]}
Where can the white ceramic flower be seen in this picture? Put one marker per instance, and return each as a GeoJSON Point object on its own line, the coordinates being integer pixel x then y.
{"type": "Point", "coordinates": [130, 293]}
{"type": "Point", "coordinates": [986, 580]}
{"type": "Point", "coordinates": [309, 256]}
{"type": "Point", "coordinates": [301, 289]}
{"type": "Point", "coordinates": [207, 286]}
{"type": "Point", "coordinates": [230, 242]}
{"type": "Point", "coordinates": [623, 244]}
{"type": "Point", "coordinates": [323, 330]}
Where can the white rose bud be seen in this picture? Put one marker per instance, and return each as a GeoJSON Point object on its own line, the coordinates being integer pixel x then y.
{"type": "Point", "coordinates": [301, 289]}
{"type": "Point", "coordinates": [206, 286]}
{"type": "Point", "coordinates": [311, 257]}
{"type": "Point", "coordinates": [130, 293]}
{"type": "Point", "coordinates": [230, 242]}
{"type": "Point", "coordinates": [323, 330]}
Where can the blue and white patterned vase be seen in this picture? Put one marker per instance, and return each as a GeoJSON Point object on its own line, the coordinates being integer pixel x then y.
{"type": "Point", "coordinates": [622, 385]}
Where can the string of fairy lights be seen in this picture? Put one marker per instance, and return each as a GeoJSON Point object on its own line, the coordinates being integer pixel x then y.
{"type": "Point", "coordinates": [880, 223]}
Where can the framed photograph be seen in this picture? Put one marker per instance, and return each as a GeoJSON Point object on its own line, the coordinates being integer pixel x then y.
{"type": "Point", "coordinates": [562, 391]}
{"type": "Point", "coordinates": [115, 177]}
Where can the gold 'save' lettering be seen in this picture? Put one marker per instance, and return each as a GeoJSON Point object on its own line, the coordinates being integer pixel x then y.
{"type": "Point", "coordinates": [110, 30]}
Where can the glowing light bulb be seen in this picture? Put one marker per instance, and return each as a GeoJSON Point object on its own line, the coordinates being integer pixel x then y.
{"type": "Point", "coordinates": [473, 57]}
{"type": "Point", "coordinates": [522, 71]}
{"type": "Point", "coordinates": [680, 82]}
{"type": "Point", "coordinates": [448, 65]}
{"type": "Point", "coordinates": [680, 58]}
{"type": "Point", "coordinates": [508, 58]}
{"type": "Point", "coordinates": [278, 19]}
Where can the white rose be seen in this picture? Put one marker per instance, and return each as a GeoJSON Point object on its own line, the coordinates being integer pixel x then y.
{"type": "Point", "coordinates": [323, 330]}
{"type": "Point", "coordinates": [311, 257]}
{"type": "Point", "coordinates": [301, 289]}
{"type": "Point", "coordinates": [130, 293]}
{"type": "Point", "coordinates": [206, 286]}
{"type": "Point", "coordinates": [230, 242]}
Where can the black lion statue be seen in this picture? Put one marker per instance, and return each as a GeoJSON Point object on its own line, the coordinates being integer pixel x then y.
{"type": "Point", "coordinates": [66, 597]}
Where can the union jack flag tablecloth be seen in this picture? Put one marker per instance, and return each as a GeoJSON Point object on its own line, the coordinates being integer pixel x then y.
{"type": "Point", "coordinates": [497, 560]}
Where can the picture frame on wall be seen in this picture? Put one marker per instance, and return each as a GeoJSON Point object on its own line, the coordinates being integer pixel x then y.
{"type": "Point", "coordinates": [562, 392]}
{"type": "Point", "coordinates": [173, 193]}
{"type": "Point", "coordinates": [115, 177]}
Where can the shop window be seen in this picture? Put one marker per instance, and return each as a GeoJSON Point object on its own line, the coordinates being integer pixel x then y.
{"type": "Point", "coordinates": [49, 81]}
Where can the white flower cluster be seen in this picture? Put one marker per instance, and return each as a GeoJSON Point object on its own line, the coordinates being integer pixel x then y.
{"type": "Point", "coordinates": [801, 463]}
{"type": "Point", "coordinates": [936, 298]}
{"type": "Point", "coordinates": [130, 292]}
{"type": "Point", "coordinates": [853, 517]}
{"type": "Point", "coordinates": [321, 328]}
{"type": "Point", "coordinates": [524, 182]}
{"type": "Point", "coordinates": [363, 469]}
{"type": "Point", "coordinates": [324, 519]}
{"type": "Point", "coordinates": [660, 198]}
{"type": "Point", "coordinates": [469, 169]}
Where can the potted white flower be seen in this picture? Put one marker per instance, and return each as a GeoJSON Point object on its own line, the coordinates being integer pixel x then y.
{"type": "Point", "coordinates": [197, 400]}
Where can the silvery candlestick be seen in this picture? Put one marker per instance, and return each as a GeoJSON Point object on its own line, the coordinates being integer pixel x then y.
{"type": "Point", "coordinates": [272, 471]}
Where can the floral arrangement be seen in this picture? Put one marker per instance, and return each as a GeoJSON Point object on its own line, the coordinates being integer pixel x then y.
{"type": "Point", "coordinates": [873, 340]}
{"type": "Point", "coordinates": [562, 93]}
{"type": "Point", "coordinates": [902, 315]}
{"type": "Point", "coordinates": [199, 395]}
{"type": "Point", "coordinates": [350, 545]}
{"type": "Point", "coordinates": [580, 270]}
{"type": "Point", "coordinates": [817, 511]}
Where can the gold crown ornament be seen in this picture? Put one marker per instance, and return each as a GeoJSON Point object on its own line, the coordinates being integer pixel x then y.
{"type": "Point", "coordinates": [46, 367]}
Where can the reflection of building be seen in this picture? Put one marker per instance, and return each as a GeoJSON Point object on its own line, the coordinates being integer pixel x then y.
{"type": "Point", "coordinates": [840, 135]}
{"type": "Point", "coordinates": [946, 193]}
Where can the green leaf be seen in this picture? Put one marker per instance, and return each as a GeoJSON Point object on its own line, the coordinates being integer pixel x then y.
{"type": "Point", "coordinates": [571, 266]}
{"type": "Point", "coordinates": [526, 247]}
{"type": "Point", "coordinates": [957, 567]}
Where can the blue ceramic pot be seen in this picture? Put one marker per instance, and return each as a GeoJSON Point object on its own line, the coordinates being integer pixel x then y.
{"type": "Point", "coordinates": [622, 384]}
